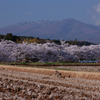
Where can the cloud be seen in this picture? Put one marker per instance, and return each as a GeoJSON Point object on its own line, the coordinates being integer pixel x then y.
{"type": "Point", "coordinates": [97, 21]}
{"type": "Point", "coordinates": [96, 14]}
{"type": "Point", "coordinates": [98, 8]}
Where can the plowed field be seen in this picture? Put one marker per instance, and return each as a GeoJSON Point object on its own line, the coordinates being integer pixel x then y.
{"type": "Point", "coordinates": [21, 83]}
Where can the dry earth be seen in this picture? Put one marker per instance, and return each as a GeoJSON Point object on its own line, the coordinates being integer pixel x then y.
{"type": "Point", "coordinates": [20, 83]}
{"type": "Point", "coordinates": [80, 68]}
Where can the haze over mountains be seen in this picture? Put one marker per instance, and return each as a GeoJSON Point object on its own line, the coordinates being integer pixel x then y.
{"type": "Point", "coordinates": [68, 29]}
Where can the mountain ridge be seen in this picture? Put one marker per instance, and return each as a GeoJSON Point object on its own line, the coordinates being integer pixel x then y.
{"type": "Point", "coordinates": [68, 29]}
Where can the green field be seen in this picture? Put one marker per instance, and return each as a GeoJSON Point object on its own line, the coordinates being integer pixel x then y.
{"type": "Point", "coordinates": [52, 63]}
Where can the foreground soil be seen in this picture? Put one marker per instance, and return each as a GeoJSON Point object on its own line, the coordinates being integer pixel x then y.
{"type": "Point", "coordinates": [19, 83]}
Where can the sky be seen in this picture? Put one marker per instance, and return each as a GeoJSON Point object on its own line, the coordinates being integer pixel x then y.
{"type": "Point", "coordinates": [15, 11]}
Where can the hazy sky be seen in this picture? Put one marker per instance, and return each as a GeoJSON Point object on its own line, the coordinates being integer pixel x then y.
{"type": "Point", "coordinates": [14, 11]}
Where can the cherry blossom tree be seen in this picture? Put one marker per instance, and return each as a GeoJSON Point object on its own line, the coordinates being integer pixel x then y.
{"type": "Point", "coordinates": [47, 52]}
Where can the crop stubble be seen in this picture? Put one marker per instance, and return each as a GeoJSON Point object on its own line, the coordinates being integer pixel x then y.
{"type": "Point", "coordinates": [18, 83]}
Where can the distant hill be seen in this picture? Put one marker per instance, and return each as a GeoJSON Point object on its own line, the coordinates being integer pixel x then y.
{"type": "Point", "coordinates": [68, 29]}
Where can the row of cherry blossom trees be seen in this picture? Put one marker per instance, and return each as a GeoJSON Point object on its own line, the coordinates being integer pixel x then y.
{"type": "Point", "coordinates": [47, 52]}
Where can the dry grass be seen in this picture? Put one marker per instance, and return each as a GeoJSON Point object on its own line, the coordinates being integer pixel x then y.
{"type": "Point", "coordinates": [72, 74]}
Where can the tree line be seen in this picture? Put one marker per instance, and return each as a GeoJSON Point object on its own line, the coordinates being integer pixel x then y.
{"type": "Point", "coordinates": [30, 39]}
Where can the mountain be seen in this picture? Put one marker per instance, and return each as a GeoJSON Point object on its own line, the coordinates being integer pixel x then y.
{"type": "Point", "coordinates": [68, 29]}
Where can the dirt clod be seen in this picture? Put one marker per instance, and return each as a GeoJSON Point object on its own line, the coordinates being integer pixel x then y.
{"type": "Point", "coordinates": [2, 68]}
{"type": "Point", "coordinates": [57, 75]}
